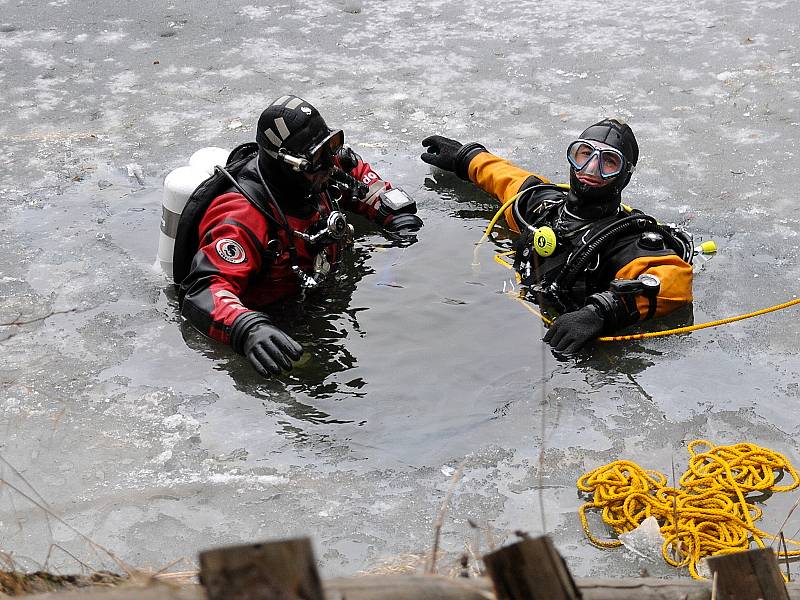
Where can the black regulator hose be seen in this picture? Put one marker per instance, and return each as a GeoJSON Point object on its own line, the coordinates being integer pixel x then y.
{"type": "Point", "coordinates": [577, 262]}
{"type": "Point", "coordinates": [515, 208]}
{"type": "Point", "coordinates": [635, 223]}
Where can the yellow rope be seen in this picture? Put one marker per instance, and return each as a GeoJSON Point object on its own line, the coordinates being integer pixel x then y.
{"type": "Point", "coordinates": [491, 225]}
{"type": "Point", "coordinates": [652, 334]}
{"type": "Point", "coordinates": [706, 515]}
{"type": "Point", "coordinates": [529, 308]}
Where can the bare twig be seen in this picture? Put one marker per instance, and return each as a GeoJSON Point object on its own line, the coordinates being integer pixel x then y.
{"type": "Point", "coordinates": [18, 322]}
{"type": "Point", "coordinates": [68, 553]}
{"type": "Point", "coordinates": [796, 533]}
{"type": "Point", "coordinates": [37, 319]}
{"type": "Point", "coordinates": [785, 557]}
{"type": "Point", "coordinates": [92, 544]}
{"type": "Point", "coordinates": [176, 575]}
{"type": "Point", "coordinates": [677, 545]}
{"type": "Point", "coordinates": [477, 529]}
{"type": "Point", "coordinates": [464, 563]}
{"type": "Point", "coordinates": [786, 520]}
{"type": "Point", "coordinates": [490, 541]}
{"type": "Point", "coordinates": [543, 422]}
{"type": "Point", "coordinates": [475, 555]}
{"type": "Point", "coordinates": [540, 474]}
{"type": "Point", "coordinates": [161, 572]}
{"type": "Point", "coordinates": [437, 527]}
{"type": "Point", "coordinates": [7, 561]}
{"type": "Point", "coordinates": [25, 481]}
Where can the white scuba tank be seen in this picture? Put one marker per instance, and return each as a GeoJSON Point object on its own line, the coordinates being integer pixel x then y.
{"type": "Point", "coordinates": [208, 158]}
{"type": "Point", "coordinates": [178, 186]}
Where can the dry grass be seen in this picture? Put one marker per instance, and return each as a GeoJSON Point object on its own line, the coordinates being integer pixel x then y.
{"type": "Point", "coordinates": [468, 564]}
{"type": "Point", "coordinates": [19, 584]}
{"type": "Point", "coordinates": [15, 583]}
{"type": "Point", "coordinates": [401, 564]}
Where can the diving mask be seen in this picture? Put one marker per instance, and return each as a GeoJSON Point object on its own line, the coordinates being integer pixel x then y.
{"type": "Point", "coordinates": [610, 161]}
{"type": "Point", "coordinates": [318, 157]}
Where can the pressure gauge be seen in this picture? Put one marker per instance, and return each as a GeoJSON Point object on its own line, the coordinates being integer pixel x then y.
{"type": "Point", "coordinates": [651, 283]}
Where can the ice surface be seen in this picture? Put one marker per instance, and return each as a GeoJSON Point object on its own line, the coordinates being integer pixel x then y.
{"type": "Point", "coordinates": [154, 442]}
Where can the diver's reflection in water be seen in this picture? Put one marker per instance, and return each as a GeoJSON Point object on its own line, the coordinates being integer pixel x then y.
{"type": "Point", "coordinates": [274, 390]}
{"type": "Point", "coordinates": [630, 357]}
{"type": "Point", "coordinates": [481, 204]}
{"type": "Point", "coordinates": [603, 362]}
{"type": "Point", "coordinates": [322, 324]}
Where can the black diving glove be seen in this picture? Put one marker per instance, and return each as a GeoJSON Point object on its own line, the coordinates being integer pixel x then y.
{"type": "Point", "coordinates": [449, 154]}
{"type": "Point", "coordinates": [268, 348]}
{"type": "Point", "coordinates": [403, 223]}
{"type": "Point", "coordinates": [571, 331]}
{"type": "Point", "coordinates": [441, 152]}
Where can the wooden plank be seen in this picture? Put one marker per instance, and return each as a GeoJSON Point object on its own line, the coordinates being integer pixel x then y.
{"type": "Point", "coordinates": [283, 570]}
{"type": "Point", "coordinates": [531, 569]}
{"type": "Point", "coordinates": [425, 587]}
{"type": "Point", "coordinates": [644, 589]}
{"type": "Point", "coordinates": [156, 591]}
{"type": "Point", "coordinates": [407, 587]}
{"type": "Point", "coordinates": [749, 575]}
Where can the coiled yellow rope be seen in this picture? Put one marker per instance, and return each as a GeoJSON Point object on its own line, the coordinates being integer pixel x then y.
{"type": "Point", "coordinates": [708, 514]}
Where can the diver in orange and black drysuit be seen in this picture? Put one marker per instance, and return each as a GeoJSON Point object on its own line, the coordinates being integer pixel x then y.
{"type": "Point", "coordinates": [610, 265]}
{"type": "Point", "coordinates": [271, 226]}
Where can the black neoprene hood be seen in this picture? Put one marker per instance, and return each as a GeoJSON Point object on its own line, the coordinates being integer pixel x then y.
{"type": "Point", "coordinates": [615, 134]}
{"type": "Point", "coordinates": [589, 201]}
{"type": "Point", "coordinates": [291, 123]}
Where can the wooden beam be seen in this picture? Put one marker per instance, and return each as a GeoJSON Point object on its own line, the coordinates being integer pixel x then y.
{"type": "Point", "coordinates": [157, 591]}
{"type": "Point", "coordinates": [424, 587]}
{"type": "Point", "coordinates": [283, 570]}
{"type": "Point", "coordinates": [531, 570]}
{"type": "Point", "coordinates": [407, 587]}
{"type": "Point", "coordinates": [750, 575]}
{"type": "Point", "coordinates": [635, 588]}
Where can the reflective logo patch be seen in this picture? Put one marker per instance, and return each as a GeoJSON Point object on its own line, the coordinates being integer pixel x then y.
{"type": "Point", "coordinates": [230, 251]}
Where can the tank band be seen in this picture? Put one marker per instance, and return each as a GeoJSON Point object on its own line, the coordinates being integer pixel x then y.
{"type": "Point", "coordinates": [169, 222]}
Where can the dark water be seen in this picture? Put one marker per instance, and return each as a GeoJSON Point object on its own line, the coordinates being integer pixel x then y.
{"type": "Point", "coordinates": [156, 442]}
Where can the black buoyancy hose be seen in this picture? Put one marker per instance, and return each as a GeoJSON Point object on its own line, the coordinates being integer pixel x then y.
{"type": "Point", "coordinates": [248, 197]}
{"type": "Point", "coordinates": [581, 258]}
